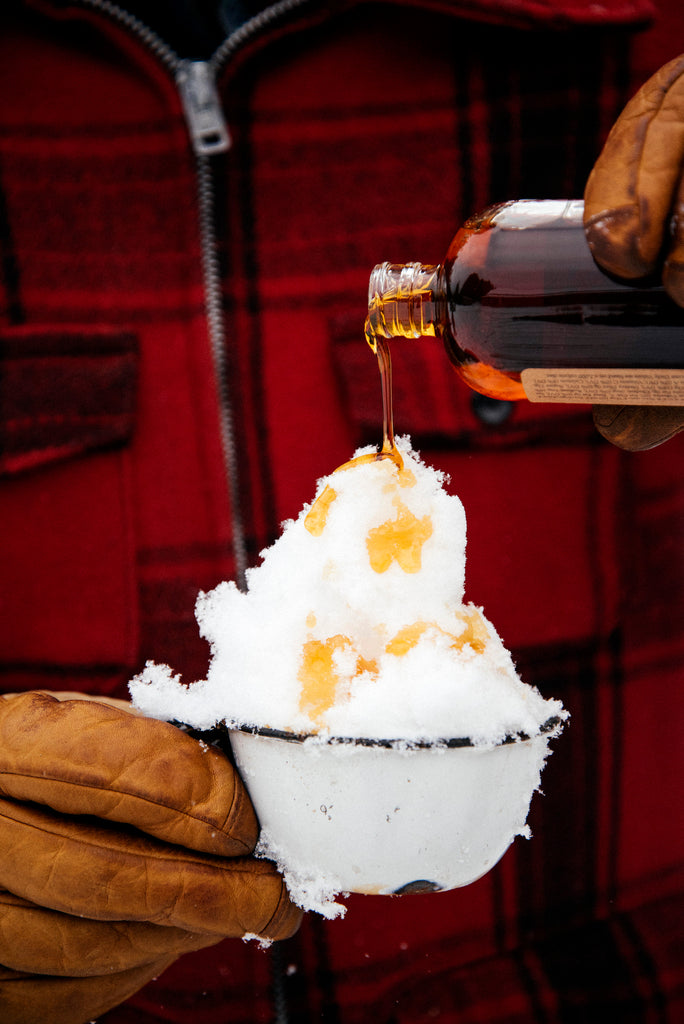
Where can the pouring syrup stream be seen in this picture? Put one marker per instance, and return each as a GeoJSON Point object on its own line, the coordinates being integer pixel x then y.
{"type": "Point", "coordinates": [317, 515]}
{"type": "Point", "coordinates": [380, 347]}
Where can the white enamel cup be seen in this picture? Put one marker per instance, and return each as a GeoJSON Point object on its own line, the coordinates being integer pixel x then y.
{"type": "Point", "coordinates": [374, 816]}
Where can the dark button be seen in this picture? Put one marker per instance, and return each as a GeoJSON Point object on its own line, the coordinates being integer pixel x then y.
{"type": "Point", "coordinates": [492, 411]}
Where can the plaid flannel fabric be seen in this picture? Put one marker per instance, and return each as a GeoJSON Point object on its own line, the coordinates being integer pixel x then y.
{"type": "Point", "coordinates": [362, 136]}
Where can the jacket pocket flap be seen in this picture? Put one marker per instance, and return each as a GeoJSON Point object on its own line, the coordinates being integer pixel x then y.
{"type": "Point", "coordinates": [64, 391]}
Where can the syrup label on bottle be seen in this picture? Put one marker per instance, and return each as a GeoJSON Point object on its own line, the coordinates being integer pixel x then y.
{"type": "Point", "coordinates": [605, 386]}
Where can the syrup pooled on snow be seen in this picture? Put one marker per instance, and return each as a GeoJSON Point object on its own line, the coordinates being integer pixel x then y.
{"type": "Point", "coordinates": [401, 538]}
{"type": "Point", "coordinates": [398, 540]}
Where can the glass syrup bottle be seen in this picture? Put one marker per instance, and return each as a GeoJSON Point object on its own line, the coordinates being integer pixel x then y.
{"type": "Point", "coordinates": [524, 312]}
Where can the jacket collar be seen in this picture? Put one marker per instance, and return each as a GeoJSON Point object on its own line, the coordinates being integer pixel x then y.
{"type": "Point", "coordinates": [520, 13]}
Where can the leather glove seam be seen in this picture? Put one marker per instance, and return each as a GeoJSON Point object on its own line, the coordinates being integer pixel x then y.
{"type": "Point", "coordinates": [283, 907]}
{"type": "Point", "coordinates": [129, 794]}
{"type": "Point", "coordinates": [155, 849]}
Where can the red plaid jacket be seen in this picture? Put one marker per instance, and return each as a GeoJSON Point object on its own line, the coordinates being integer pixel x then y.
{"type": "Point", "coordinates": [360, 132]}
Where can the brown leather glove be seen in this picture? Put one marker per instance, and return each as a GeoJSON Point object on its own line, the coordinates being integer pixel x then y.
{"type": "Point", "coordinates": [124, 842]}
{"type": "Point", "coordinates": [634, 222]}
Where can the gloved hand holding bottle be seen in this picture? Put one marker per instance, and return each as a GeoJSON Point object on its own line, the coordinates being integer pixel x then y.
{"type": "Point", "coordinates": [634, 223]}
{"type": "Point", "coordinates": [523, 309]}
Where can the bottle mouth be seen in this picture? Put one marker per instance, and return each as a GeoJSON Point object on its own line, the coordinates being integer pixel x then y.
{"type": "Point", "coordinates": [402, 300]}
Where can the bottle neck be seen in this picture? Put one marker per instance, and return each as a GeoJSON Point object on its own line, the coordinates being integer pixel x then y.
{"type": "Point", "coordinates": [404, 301]}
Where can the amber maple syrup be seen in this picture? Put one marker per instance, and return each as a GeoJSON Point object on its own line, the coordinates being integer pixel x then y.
{"type": "Point", "coordinates": [398, 540]}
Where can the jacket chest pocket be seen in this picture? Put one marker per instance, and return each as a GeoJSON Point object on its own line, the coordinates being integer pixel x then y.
{"type": "Point", "coordinates": [67, 418]}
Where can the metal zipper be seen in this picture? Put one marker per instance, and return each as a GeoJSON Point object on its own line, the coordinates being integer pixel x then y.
{"type": "Point", "coordinates": [196, 82]}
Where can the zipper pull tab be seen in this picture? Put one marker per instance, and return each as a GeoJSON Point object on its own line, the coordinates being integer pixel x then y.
{"type": "Point", "coordinates": [202, 107]}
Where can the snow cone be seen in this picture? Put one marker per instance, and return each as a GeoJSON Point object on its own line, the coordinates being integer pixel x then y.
{"type": "Point", "coordinates": [378, 721]}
